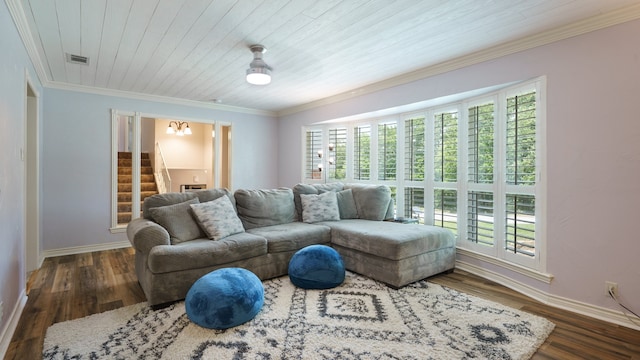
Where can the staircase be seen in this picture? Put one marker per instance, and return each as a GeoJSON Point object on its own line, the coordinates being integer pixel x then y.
{"type": "Point", "coordinates": [147, 184]}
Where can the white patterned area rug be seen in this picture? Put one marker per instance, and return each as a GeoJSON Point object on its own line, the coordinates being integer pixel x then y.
{"type": "Point", "coordinates": [361, 319]}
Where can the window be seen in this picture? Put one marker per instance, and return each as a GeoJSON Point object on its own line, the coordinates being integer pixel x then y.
{"type": "Point", "coordinates": [313, 154]}
{"type": "Point", "coordinates": [446, 209]}
{"type": "Point", "coordinates": [520, 224]}
{"type": "Point", "coordinates": [480, 217]}
{"type": "Point", "coordinates": [446, 147]}
{"type": "Point", "coordinates": [414, 149]}
{"type": "Point", "coordinates": [480, 165]}
{"type": "Point", "coordinates": [471, 167]}
{"type": "Point", "coordinates": [337, 156]}
{"type": "Point", "coordinates": [387, 151]}
{"type": "Point", "coordinates": [520, 213]}
{"type": "Point", "coordinates": [414, 203]}
{"type": "Point", "coordinates": [481, 130]}
{"type": "Point", "coordinates": [521, 139]}
{"type": "Point", "coordinates": [362, 152]}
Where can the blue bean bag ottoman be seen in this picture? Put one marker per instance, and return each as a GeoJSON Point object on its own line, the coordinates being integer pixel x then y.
{"type": "Point", "coordinates": [316, 267]}
{"type": "Point", "coordinates": [225, 298]}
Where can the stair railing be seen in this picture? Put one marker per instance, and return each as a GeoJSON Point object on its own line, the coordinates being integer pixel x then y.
{"type": "Point", "coordinates": [163, 179]}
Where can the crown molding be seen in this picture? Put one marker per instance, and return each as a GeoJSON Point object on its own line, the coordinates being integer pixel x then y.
{"type": "Point", "coordinates": [156, 98]}
{"type": "Point", "coordinates": [17, 13]}
{"type": "Point", "coordinates": [593, 23]}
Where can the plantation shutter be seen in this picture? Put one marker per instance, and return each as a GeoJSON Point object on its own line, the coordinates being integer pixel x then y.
{"type": "Point", "coordinates": [481, 130]}
{"type": "Point", "coordinates": [414, 149]}
{"type": "Point", "coordinates": [387, 151]}
{"type": "Point", "coordinates": [480, 204]}
{"type": "Point", "coordinates": [446, 209]}
{"type": "Point", "coordinates": [362, 152]}
{"type": "Point", "coordinates": [313, 144]}
{"type": "Point", "coordinates": [414, 203]}
{"type": "Point", "coordinates": [520, 164]}
{"type": "Point", "coordinates": [480, 217]}
{"type": "Point", "coordinates": [445, 170]}
{"type": "Point", "coordinates": [521, 139]}
{"type": "Point", "coordinates": [446, 147]}
{"type": "Point", "coordinates": [337, 156]}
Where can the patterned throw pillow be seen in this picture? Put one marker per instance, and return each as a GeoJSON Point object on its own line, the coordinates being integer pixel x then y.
{"type": "Point", "coordinates": [322, 207]}
{"type": "Point", "coordinates": [218, 218]}
{"type": "Point", "coordinates": [178, 221]}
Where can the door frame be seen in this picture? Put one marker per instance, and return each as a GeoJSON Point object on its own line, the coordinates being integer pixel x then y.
{"type": "Point", "coordinates": [31, 157]}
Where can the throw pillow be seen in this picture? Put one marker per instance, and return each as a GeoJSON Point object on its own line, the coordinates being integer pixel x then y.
{"type": "Point", "coordinates": [218, 218]}
{"type": "Point", "coordinates": [178, 221]}
{"type": "Point", "coordinates": [322, 207]}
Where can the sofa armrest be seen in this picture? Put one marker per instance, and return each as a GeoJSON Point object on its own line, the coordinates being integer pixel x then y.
{"type": "Point", "coordinates": [144, 234]}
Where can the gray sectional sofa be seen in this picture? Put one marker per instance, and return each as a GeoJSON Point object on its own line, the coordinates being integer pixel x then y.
{"type": "Point", "coordinates": [260, 230]}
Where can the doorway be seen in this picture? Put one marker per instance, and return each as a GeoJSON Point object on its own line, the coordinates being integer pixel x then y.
{"type": "Point", "coordinates": [151, 155]}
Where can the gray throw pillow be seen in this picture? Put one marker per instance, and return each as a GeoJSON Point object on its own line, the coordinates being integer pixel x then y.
{"type": "Point", "coordinates": [218, 218]}
{"type": "Point", "coordinates": [322, 207]}
{"type": "Point", "coordinates": [372, 201]}
{"type": "Point", "coordinates": [178, 221]}
{"type": "Point", "coordinates": [166, 199]}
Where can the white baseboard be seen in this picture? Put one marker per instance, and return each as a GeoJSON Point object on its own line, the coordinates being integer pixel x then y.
{"type": "Point", "coordinates": [12, 324]}
{"type": "Point", "coordinates": [597, 312]}
{"type": "Point", "coordinates": [86, 249]}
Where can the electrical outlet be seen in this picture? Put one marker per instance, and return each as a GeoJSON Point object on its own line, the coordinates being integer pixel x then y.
{"type": "Point", "coordinates": [611, 288]}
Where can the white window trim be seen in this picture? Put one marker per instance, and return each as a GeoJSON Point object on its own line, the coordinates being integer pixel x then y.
{"type": "Point", "coordinates": [534, 267]}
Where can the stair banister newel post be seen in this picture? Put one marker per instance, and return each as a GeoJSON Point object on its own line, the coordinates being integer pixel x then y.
{"type": "Point", "coordinates": [163, 178]}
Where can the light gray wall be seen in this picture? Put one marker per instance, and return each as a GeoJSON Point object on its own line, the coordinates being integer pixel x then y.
{"type": "Point", "coordinates": [593, 160]}
{"type": "Point", "coordinates": [77, 160]}
{"type": "Point", "coordinates": [14, 63]}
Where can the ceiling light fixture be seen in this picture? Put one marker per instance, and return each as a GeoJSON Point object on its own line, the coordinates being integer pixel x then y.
{"type": "Point", "coordinates": [258, 73]}
{"type": "Point", "coordinates": [178, 130]}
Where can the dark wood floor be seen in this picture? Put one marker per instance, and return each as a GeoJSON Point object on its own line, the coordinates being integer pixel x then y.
{"type": "Point", "coordinates": [70, 287]}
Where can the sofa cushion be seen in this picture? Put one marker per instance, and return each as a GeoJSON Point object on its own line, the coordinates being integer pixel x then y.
{"type": "Point", "coordinates": [212, 194]}
{"type": "Point", "coordinates": [165, 199]}
{"type": "Point", "coordinates": [321, 207]}
{"type": "Point", "coordinates": [257, 208]}
{"type": "Point", "coordinates": [217, 218]}
{"type": "Point", "coordinates": [203, 253]}
{"type": "Point", "coordinates": [372, 201]}
{"type": "Point", "coordinates": [347, 204]}
{"type": "Point", "coordinates": [292, 236]}
{"type": "Point", "coordinates": [178, 220]}
{"type": "Point", "coordinates": [388, 239]}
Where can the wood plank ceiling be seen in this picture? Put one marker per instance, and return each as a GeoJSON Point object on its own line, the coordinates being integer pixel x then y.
{"type": "Point", "coordinates": [198, 49]}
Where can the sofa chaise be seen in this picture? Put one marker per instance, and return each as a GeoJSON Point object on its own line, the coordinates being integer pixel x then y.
{"type": "Point", "coordinates": [183, 236]}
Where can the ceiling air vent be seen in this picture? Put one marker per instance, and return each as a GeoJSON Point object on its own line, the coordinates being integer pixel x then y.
{"type": "Point", "coordinates": [77, 59]}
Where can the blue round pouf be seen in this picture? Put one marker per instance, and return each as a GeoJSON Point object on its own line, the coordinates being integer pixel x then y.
{"type": "Point", "coordinates": [225, 298]}
{"type": "Point", "coordinates": [316, 267]}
